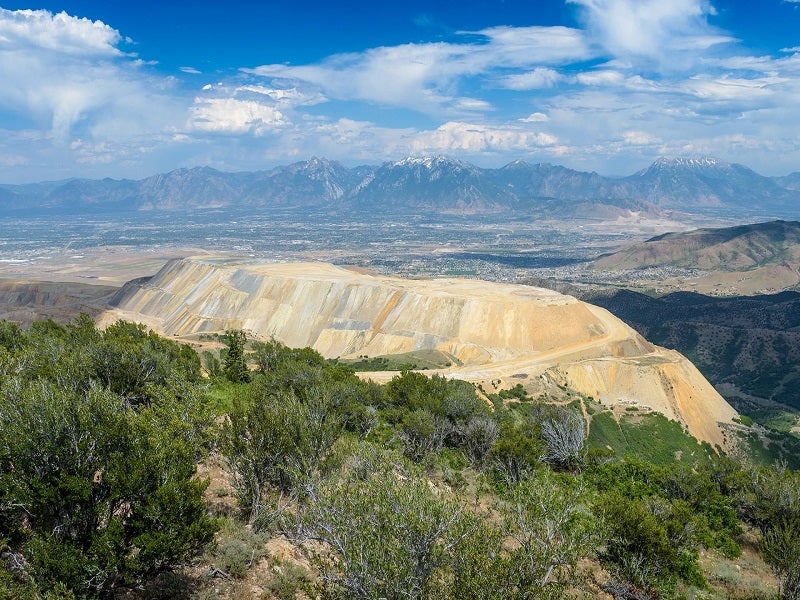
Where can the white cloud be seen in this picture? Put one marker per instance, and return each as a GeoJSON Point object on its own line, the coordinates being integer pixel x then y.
{"type": "Point", "coordinates": [457, 136]}
{"type": "Point", "coordinates": [286, 96]}
{"type": "Point", "coordinates": [639, 138]}
{"type": "Point", "coordinates": [667, 34]}
{"type": "Point", "coordinates": [729, 88]}
{"type": "Point", "coordinates": [423, 77]}
{"type": "Point", "coordinates": [536, 117]}
{"type": "Point", "coordinates": [232, 116]}
{"type": "Point", "coordinates": [32, 30]}
{"type": "Point", "coordinates": [603, 77]}
{"type": "Point", "coordinates": [524, 47]}
{"type": "Point", "coordinates": [64, 73]}
{"type": "Point", "coordinates": [539, 78]}
{"type": "Point", "coordinates": [471, 105]}
{"type": "Point", "coordinates": [763, 64]}
{"type": "Point", "coordinates": [191, 71]}
{"type": "Point", "coordinates": [399, 76]}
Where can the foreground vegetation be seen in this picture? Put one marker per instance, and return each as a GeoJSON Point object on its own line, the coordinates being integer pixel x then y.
{"type": "Point", "coordinates": [415, 489]}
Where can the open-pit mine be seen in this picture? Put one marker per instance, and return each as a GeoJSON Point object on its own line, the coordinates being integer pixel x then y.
{"type": "Point", "coordinates": [497, 335]}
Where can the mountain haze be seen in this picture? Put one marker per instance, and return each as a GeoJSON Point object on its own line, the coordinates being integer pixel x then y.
{"type": "Point", "coordinates": [435, 184]}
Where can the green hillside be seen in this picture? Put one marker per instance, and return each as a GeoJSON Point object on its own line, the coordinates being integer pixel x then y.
{"type": "Point", "coordinates": [128, 469]}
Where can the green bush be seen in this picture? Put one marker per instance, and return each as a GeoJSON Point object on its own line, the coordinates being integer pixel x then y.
{"type": "Point", "coordinates": [97, 467]}
{"type": "Point", "coordinates": [517, 451]}
{"type": "Point", "coordinates": [271, 441]}
{"type": "Point", "coordinates": [651, 543]}
{"type": "Point", "coordinates": [553, 528]}
{"type": "Point", "coordinates": [388, 535]}
{"type": "Point", "coordinates": [238, 548]}
{"type": "Point", "coordinates": [287, 580]}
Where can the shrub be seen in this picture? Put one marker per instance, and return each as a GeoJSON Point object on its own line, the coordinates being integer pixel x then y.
{"type": "Point", "coordinates": [517, 451]}
{"type": "Point", "coordinates": [96, 492]}
{"type": "Point", "coordinates": [478, 436]}
{"type": "Point", "coordinates": [287, 580]}
{"type": "Point", "coordinates": [781, 550]}
{"type": "Point", "coordinates": [238, 548]}
{"type": "Point", "coordinates": [564, 434]}
{"type": "Point", "coordinates": [552, 528]}
{"type": "Point", "coordinates": [273, 440]}
{"type": "Point", "coordinates": [651, 542]}
{"type": "Point", "coordinates": [386, 533]}
{"type": "Point", "coordinates": [422, 433]}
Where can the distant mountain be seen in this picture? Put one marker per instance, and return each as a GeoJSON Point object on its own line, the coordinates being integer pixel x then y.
{"type": "Point", "coordinates": [436, 184]}
{"type": "Point", "coordinates": [705, 182]}
{"type": "Point", "coordinates": [790, 181]}
{"type": "Point", "coordinates": [201, 187]}
{"type": "Point", "coordinates": [316, 182]}
{"type": "Point", "coordinates": [730, 248]}
{"type": "Point", "coordinates": [552, 181]}
{"type": "Point", "coordinates": [440, 184]}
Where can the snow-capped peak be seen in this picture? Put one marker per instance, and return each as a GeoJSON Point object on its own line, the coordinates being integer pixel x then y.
{"type": "Point", "coordinates": [693, 163]}
{"type": "Point", "coordinates": [429, 162]}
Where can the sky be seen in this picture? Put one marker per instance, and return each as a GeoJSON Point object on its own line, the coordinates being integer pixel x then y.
{"type": "Point", "coordinates": [99, 88]}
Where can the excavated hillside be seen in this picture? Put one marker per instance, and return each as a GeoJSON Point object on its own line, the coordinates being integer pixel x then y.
{"type": "Point", "coordinates": [27, 301]}
{"type": "Point", "coordinates": [498, 335]}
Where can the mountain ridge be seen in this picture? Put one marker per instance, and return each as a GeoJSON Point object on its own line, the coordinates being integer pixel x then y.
{"type": "Point", "coordinates": [738, 248]}
{"type": "Point", "coordinates": [437, 184]}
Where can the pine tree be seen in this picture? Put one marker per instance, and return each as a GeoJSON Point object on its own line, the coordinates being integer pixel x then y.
{"type": "Point", "coordinates": [235, 365]}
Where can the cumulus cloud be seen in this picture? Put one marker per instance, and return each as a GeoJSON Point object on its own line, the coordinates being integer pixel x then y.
{"type": "Point", "coordinates": [536, 117]}
{"type": "Point", "coordinates": [539, 78]}
{"type": "Point", "coordinates": [42, 30]}
{"type": "Point", "coordinates": [68, 73]}
{"type": "Point", "coordinates": [249, 108]}
{"type": "Point", "coordinates": [232, 116]}
{"type": "Point", "coordinates": [457, 136]}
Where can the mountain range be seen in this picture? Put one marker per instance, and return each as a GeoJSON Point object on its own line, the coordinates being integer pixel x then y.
{"type": "Point", "coordinates": [435, 184]}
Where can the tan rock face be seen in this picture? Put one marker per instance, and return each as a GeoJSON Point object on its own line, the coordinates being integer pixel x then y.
{"type": "Point", "coordinates": [496, 331]}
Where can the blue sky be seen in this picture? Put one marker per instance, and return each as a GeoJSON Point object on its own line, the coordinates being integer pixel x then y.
{"type": "Point", "coordinates": [111, 89]}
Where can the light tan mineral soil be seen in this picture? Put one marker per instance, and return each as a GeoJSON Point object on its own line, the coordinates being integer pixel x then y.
{"type": "Point", "coordinates": [498, 334]}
